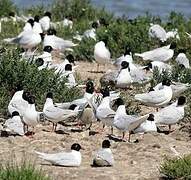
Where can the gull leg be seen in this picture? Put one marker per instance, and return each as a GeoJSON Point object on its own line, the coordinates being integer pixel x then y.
{"type": "Point", "coordinates": [123, 136]}
{"type": "Point", "coordinates": [97, 67]}
{"type": "Point", "coordinates": [129, 139]}
{"type": "Point", "coordinates": [111, 130]}
{"type": "Point", "coordinates": [55, 127]}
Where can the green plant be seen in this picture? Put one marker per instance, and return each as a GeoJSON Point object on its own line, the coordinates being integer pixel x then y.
{"type": "Point", "coordinates": [6, 7]}
{"type": "Point", "coordinates": [25, 171]}
{"type": "Point", "coordinates": [14, 71]}
{"type": "Point", "coordinates": [177, 168]}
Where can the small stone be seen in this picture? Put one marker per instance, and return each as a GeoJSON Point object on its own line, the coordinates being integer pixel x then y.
{"type": "Point", "coordinates": [156, 146]}
{"type": "Point", "coordinates": [133, 162]}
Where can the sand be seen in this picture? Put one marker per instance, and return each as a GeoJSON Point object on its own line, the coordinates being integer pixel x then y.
{"type": "Point", "coordinates": [132, 160]}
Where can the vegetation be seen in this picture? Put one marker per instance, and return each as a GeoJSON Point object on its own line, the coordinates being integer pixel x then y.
{"type": "Point", "coordinates": [177, 168]}
{"type": "Point", "coordinates": [14, 71]}
{"type": "Point", "coordinates": [120, 32]}
{"type": "Point", "coordinates": [25, 171]}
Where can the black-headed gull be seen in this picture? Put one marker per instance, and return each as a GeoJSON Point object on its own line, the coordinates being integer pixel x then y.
{"type": "Point", "coordinates": [104, 112]}
{"type": "Point", "coordinates": [124, 78]}
{"type": "Point", "coordinates": [56, 114]}
{"type": "Point", "coordinates": [125, 122]}
{"type": "Point", "coordinates": [37, 26]}
{"type": "Point", "coordinates": [127, 56]}
{"type": "Point", "coordinates": [101, 53]}
{"type": "Point", "coordinates": [14, 125]}
{"type": "Point", "coordinates": [182, 59]}
{"type": "Point", "coordinates": [28, 40]}
{"type": "Point", "coordinates": [19, 101]}
{"type": "Point", "coordinates": [104, 156]}
{"type": "Point", "coordinates": [91, 33]}
{"type": "Point", "coordinates": [30, 117]}
{"type": "Point", "coordinates": [158, 97]}
{"type": "Point", "coordinates": [56, 42]}
{"type": "Point", "coordinates": [68, 159]}
{"type": "Point", "coordinates": [29, 25]}
{"type": "Point", "coordinates": [163, 54]}
{"type": "Point", "coordinates": [156, 31]}
{"type": "Point", "coordinates": [171, 114]}
{"type": "Point", "coordinates": [147, 126]}
{"type": "Point", "coordinates": [45, 21]}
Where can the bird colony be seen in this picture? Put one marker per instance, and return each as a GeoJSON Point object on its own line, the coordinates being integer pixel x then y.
{"type": "Point", "coordinates": [99, 105]}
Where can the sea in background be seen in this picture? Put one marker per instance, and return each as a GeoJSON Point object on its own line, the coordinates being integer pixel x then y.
{"type": "Point", "coordinates": [129, 8]}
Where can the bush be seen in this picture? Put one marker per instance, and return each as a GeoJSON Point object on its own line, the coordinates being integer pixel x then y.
{"type": "Point", "coordinates": [25, 171]}
{"type": "Point", "coordinates": [177, 168]}
{"type": "Point", "coordinates": [6, 7]}
{"type": "Point", "coordinates": [14, 71]}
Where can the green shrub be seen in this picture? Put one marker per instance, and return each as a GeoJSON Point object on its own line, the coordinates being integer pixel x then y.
{"type": "Point", "coordinates": [6, 7]}
{"type": "Point", "coordinates": [25, 171]}
{"type": "Point", "coordinates": [14, 71]}
{"type": "Point", "coordinates": [177, 168]}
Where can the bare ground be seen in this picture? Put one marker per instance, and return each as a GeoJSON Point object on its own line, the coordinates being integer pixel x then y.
{"type": "Point", "coordinates": [132, 160]}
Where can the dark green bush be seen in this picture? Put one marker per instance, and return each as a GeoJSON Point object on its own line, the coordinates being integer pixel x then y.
{"type": "Point", "coordinates": [14, 71]}
{"type": "Point", "coordinates": [6, 7]}
{"type": "Point", "coordinates": [177, 168]}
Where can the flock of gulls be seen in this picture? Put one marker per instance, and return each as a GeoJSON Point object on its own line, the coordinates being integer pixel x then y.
{"type": "Point", "coordinates": [103, 105]}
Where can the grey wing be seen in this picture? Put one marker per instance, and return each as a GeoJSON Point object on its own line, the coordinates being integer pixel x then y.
{"type": "Point", "coordinates": [151, 97]}
{"type": "Point", "coordinates": [105, 156]}
{"type": "Point", "coordinates": [64, 159]}
{"type": "Point", "coordinates": [136, 122]}
{"type": "Point", "coordinates": [183, 60]}
{"type": "Point", "coordinates": [168, 115]}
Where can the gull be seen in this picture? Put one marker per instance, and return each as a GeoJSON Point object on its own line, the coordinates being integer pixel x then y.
{"type": "Point", "coordinates": [171, 114]}
{"type": "Point", "coordinates": [91, 33]}
{"type": "Point", "coordinates": [56, 114]}
{"type": "Point", "coordinates": [104, 112]}
{"type": "Point", "coordinates": [156, 31]}
{"type": "Point", "coordinates": [88, 95]}
{"type": "Point", "coordinates": [158, 97]}
{"type": "Point", "coordinates": [177, 88]}
{"type": "Point", "coordinates": [28, 40]}
{"type": "Point", "coordinates": [45, 21]}
{"type": "Point", "coordinates": [60, 68]}
{"type": "Point", "coordinates": [69, 75]}
{"type": "Point", "coordinates": [14, 125]}
{"type": "Point", "coordinates": [173, 34]}
{"type": "Point", "coordinates": [56, 42]}
{"type": "Point", "coordinates": [127, 56]}
{"type": "Point", "coordinates": [87, 116]}
{"type": "Point", "coordinates": [29, 25]}
{"type": "Point", "coordinates": [182, 59]}
{"type": "Point", "coordinates": [101, 53]}
{"type": "Point", "coordinates": [46, 56]}
{"type": "Point", "coordinates": [19, 101]}
{"type": "Point", "coordinates": [147, 126]}
{"type": "Point", "coordinates": [189, 35]}
{"type": "Point", "coordinates": [124, 78]}
{"type": "Point", "coordinates": [104, 156]}
{"type": "Point", "coordinates": [162, 54]}
{"type": "Point", "coordinates": [68, 159]}
{"type": "Point", "coordinates": [37, 26]}
{"type": "Point", "coordinates": [125, 122]}
{"type": "Point", "coordinates": [30, 117]}
{"type": "Point", "coordinates": [67, 22]}
{"type": "Point", "coordinates": [161, 66]}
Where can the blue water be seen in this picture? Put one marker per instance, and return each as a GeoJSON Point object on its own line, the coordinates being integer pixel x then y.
{"type": "Point", "coordinates": [130, 8]}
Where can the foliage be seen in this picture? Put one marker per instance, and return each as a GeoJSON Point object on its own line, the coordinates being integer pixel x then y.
{"type": "Point", "coordinates": [25, 171]}
{"type": "Point", "coordinates": [6, 7]}
{"type": "Point", "coordinates": [177, 168]}
{"type": "Point", "coordinates": [14, 71]}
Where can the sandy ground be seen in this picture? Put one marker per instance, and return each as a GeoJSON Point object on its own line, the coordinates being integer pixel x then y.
{"type": "Point", "coordinates": [132, 160]}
